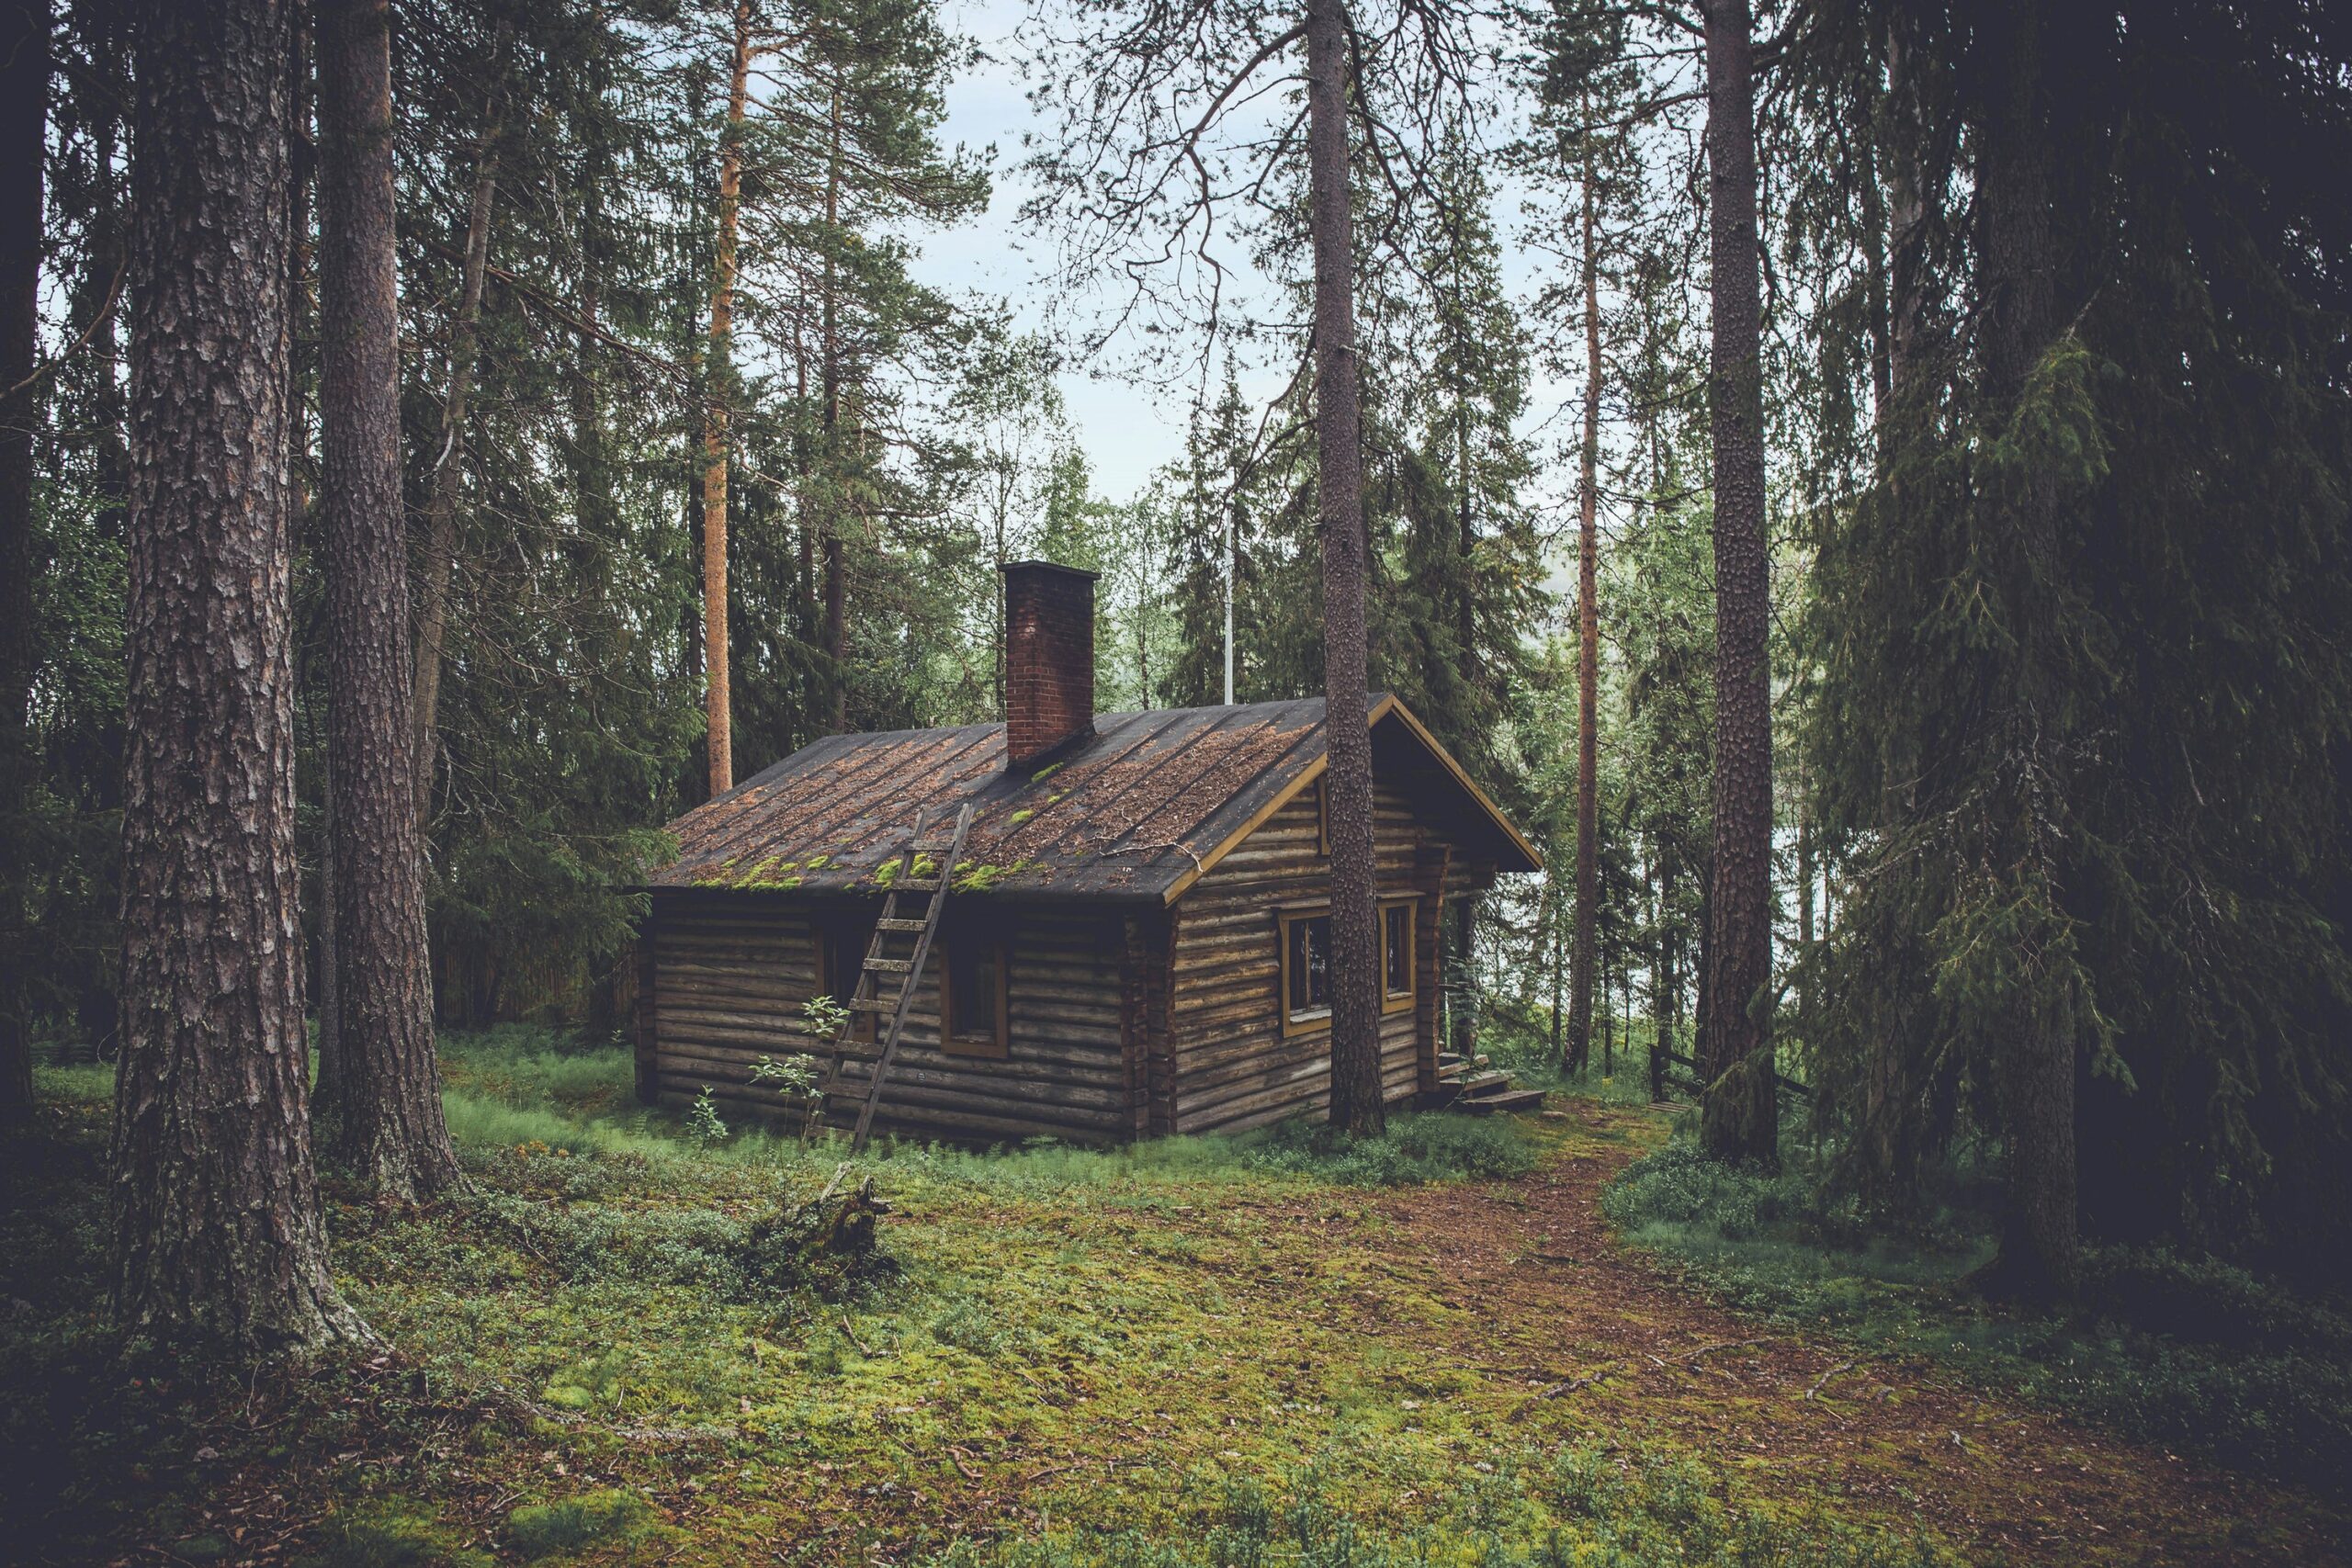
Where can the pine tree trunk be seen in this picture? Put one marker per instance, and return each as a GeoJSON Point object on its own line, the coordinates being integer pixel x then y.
{"type": "Point", "coordinates": [1740, 1116]}
{"type": "Point", "coordinates": [718, 697]}
{"type": "Point", "coordinates": [218, 1237]}
{"type": "Point", "coordinates": [2020, 319]}
{"type": "Point", "coordinates": [98, 1005]}
{"type": "Point", "coordinates": [1588, 658]}
{"type": "Point", "coordinates": [834, 642]}
{"type": "Point", "coordinates": [449, 466]}
{"type": "Point", "coordinates": [388, 1129]}
{"type": "Point", "coordinates": [1356, 1099]}
{"type": "Point", "coordinates": [1905, 220]}
{"type": "Point", "coordinates": [23, 118]}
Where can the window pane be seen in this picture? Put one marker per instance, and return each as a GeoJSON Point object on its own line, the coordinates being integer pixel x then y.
{"type": "Point", "coordinates": [1398, 926]}
{"type": "Point", "coordinates": [972, 989]}
{"type": "Point", "coordinates": [1294, 963]}
{"type": "Point", "coordinates": [1318, 961]}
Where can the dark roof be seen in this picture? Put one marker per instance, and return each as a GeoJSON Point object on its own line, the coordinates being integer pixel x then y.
{"type": "Point", "coordinates": [1137, 810]}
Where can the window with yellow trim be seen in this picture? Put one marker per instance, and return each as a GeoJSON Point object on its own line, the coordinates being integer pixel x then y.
{"type": "Point", "coordinates": [1397, 954]}
{"type": "Point", "coordinates": [974, 1017]}
{"type": "Point", "coordinates": [1306, 971]}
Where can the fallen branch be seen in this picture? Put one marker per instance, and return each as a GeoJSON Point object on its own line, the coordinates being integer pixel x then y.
{"type": "Point", "coordinates": [956, 1457]}
{"type": "Point", "coordinates": [1563, 1389]}
{"type": "Point", "coordinates": [854, 1339]}
{"type": "Point", "coordinates": [1819, 1382]}
{"type": "Point", "coordinates": [1693, 1358]}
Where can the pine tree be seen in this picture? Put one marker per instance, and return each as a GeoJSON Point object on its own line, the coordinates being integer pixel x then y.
{"type": "Point", "coordinates": [1741, 1115]}
{"type": "Point", "coordinates": [217, 1235]}
{"type": "Point", "coordinates": [24, 125]}
{"type": "Point", "coordinates": [387, 1125]}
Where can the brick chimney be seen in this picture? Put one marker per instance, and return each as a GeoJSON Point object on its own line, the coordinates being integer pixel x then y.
{"type": "Point", "coordinates": [1048, 659]}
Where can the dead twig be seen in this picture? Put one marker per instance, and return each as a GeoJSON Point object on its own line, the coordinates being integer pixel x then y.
{"type": "Point", "coordinates": [1562, 1389]}
{"type": "Point", "coordinates": [854, 1339]}
{"type": "Point", "coordinates": [1822, 1379]}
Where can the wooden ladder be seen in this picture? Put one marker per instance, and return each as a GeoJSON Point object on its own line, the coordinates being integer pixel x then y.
{"type": "Point", "coordinates": [867, 1000]}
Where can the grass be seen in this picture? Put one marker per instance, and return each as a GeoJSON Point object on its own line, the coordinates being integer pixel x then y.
{"type": "Point", "coordinates": [2188, 1353]}
{"type": "Point", "coordinates": [1196, 1351]}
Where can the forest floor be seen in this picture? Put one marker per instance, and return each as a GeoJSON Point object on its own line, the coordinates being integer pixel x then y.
{"type": "Point", "coordinates": [1198, 1352]}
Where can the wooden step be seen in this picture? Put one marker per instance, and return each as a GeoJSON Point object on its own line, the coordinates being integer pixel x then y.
{"type": "Point", "coordinates": [1483, 1084]}
{"type": "Point", "coordinates": [889, 965]}
{"type": "Point", "coordinates": [915, 885]}
{"type": "Point", "coordinates": [885, 1006]}
{"type": "Point", "coordinates": [1509, 1099]}
{"type": "Point", "coordinates": [899, 925]}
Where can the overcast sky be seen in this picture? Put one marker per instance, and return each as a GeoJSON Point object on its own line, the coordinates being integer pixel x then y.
{"type": "Point", "coordinates": [1126, 431]}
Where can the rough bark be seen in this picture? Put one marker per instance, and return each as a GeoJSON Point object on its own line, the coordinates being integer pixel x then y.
{"type": "Point", "coordinates": [24, 112]}
{"type": "Point", "coordinates": [1356, 1103]}
{"type": "Point", "coordinates": [2038, 1241]}
{"type": "Point", "coordinates": [388, 1129]}
{"type": "Point", "coordinates": [449, 467]}
{"type": "Point", "coordinates": [1579, 1047]}
{"type": "Point", "coordinates": [217, 1237]}
{"type": "Point", "coordinates": [1740, 1113]}
{"type": "Point", "coordinates": [716, 698]}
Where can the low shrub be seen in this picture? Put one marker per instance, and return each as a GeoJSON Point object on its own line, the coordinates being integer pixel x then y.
{"type": "Point", "coordinates": [2185, 1351]}
{"type": "Point", "coordinates": [545, 1530]}
{"type": "Point", "coordinates": [1426, 1147]}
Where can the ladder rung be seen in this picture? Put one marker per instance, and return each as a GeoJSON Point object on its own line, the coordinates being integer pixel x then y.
{"type": "Point", "coordinates": [889, 965]}
{"type": "Point", "coordinates": [916, 885]}
{"type": "Point", "coordinates": [899, 925]}
{"type": "Point", "coordinates": [926, 845]}
{"type": "Point", "coordinates": [872, 1004]}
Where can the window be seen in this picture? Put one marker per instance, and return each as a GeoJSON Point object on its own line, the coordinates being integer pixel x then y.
{"type": "Point", "coordinates": [1397, 954]}
{"type": "Point", "coordinates": [1306, 971]}
{"type": "Point", "coordinates": [972, 1008]}
{"type": "Point", "coordinates": [841, 952]}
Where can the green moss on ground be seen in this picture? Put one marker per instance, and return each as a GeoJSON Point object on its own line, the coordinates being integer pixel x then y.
{"type": "Point", "coordinates": [1204, 1350]}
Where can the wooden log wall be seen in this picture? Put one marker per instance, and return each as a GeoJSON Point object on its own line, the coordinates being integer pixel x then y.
{"type": "Point", "coordinates": [1233, 1066]}
{"type": "Point", "coordinates": [729, 973]}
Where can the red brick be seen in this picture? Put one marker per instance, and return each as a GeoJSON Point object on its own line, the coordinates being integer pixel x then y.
{"type": "Point", "coordinates": [1048, 659]}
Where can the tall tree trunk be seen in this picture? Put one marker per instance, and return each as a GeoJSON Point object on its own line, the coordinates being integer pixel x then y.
{"type": "Point", "coordinates": [97, 1005]}
{"type": "Point", "coordinates": [388, 1129]}
{"type": "Point", "coordinates": [718, 697]}
{"type": "Point", "coordinates": [1905, 220]}
{"type": "Point", "coordinates": [1740, 1119]}
{"type": "Point", "coordinates": [1588, 654]}
{"type": "Point", "coordinates": [217, 1235]}
{"type": "Point", "coordinates": [1356, 1100]}
{"type": "Point", "coordinates": [1884, 1136]}
{"type": "Point", "coordinates": [449, 462]}
{"type": "Point", "coordinates": [835, 641]}
{"type": "Point", "coordinates": [24, 120]}
{"type": "Point", "coordinates": [2020, 314]}
{"type": "Point", "coordinates": [1557, 930]}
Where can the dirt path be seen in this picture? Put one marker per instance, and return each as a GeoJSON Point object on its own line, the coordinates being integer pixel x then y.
{"type": "Point", "coordinates": [1606, 1341]}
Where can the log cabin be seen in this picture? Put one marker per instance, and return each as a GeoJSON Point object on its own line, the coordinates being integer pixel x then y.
{"type": "Point", "coordinates": [1134, 941]}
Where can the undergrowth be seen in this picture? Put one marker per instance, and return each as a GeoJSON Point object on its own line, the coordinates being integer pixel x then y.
{"type": "Point", "coordinates": [2188, 1352]}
